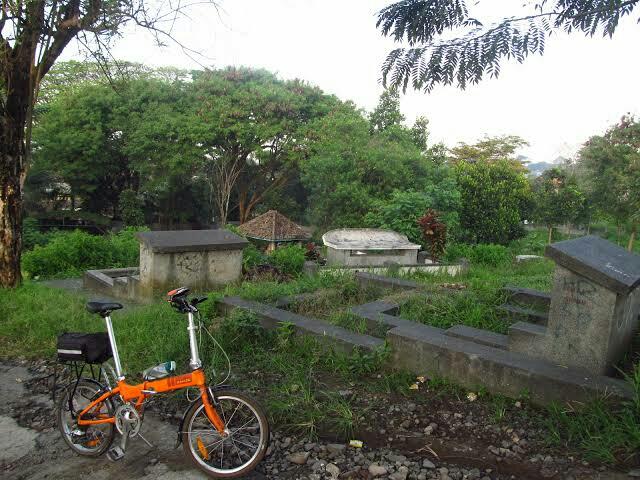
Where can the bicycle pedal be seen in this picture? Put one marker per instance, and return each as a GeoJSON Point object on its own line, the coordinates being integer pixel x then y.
{"type": "Point", "coordinates": [115, 453]}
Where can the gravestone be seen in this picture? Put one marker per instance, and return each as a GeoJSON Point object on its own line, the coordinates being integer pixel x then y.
{"type": "Point", "coordinates": [198, 259]}
{"type": "Point", "coordinates": [595, 303]}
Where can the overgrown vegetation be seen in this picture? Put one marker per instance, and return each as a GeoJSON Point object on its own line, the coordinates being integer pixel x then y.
{"type": "Point", "coordinates": [69, 254]}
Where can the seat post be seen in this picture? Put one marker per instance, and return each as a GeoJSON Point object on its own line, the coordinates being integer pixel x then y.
{"type": "Point", "coordinates": [114, 347]}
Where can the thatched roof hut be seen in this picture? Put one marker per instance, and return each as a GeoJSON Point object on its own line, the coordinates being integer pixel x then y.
{"type": "Point", "coordinates": [273, 227]}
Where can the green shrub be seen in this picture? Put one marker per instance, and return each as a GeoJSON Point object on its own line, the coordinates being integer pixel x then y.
{"type": "Point", "coordinates": [31, 234]}
{"type": "Point", "coordinates": [456, 251]}
{"type": "Point", "coordinates": [490, 255]}
{"type": "Point", "coordinates": [289, 259]}
{"type": "Point", "coordinates": [70, 253]}
{"type": "Point", "coordinates": [487, 255]}
{"type": "Point", "coordinates": [252, 256]}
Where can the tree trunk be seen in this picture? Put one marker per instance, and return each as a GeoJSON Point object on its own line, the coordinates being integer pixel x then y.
{"type": "Point", "coordinates": [632, 237]}
{"type": "Point", "coordinates": [618, 233]}
{"type": "Point", "coordinates": [550, 238]}
{"type": "Point", "coordinates": [13, 168]}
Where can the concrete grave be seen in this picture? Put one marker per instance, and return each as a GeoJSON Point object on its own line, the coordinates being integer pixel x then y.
{"type": "Point", "coordinates": [199, 259]}
{"type": "Point", "coordinates": [369, 247]}
{"type": "Point", "coordinates": [595, 303]}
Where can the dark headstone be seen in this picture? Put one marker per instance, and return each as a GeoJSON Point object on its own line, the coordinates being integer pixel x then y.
{"type": "Point", "coordinates": [191, 240]}
{"type": "Point", "coordinates": [598, 260]}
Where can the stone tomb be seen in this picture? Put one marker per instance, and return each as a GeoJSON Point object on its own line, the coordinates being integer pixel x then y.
{"type": "Point", "coordinates": [369, 247]}
{"type": "Point", "coordinates": [595, 303]}
{"type": "Point", "coordinates": [198, 259]}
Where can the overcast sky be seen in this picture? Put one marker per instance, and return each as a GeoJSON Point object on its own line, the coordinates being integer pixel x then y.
{"type": "Point", "coordinates": [556, 101]}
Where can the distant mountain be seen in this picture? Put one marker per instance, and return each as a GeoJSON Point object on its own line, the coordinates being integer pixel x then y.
{"type": "Point", "coordinates": [538, 168]}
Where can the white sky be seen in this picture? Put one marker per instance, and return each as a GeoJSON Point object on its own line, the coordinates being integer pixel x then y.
{"type": "Point", "coordinates": [556, 101]}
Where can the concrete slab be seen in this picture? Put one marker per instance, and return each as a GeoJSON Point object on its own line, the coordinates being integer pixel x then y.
{"type": "Point", "coordinates": [534, 299]}
{"type": "Point", "coordinates": [391, 283]}
{"type": "Point", "coordinates": [517, 313]}
{"type": "Point", "coordinates": [602, 262]}
{"type": "Point", "coordinates": [476, 335]}
{"type": "Point", "coordinates": [272, 317]}
{"type": "Point", "coordinates": [174, 241]}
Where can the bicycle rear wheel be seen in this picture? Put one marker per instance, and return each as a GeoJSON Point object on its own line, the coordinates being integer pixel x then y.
{"type": "Point", "coordinates": [241, 448]}
{"type": "Point", "coordinates": [90, 441]}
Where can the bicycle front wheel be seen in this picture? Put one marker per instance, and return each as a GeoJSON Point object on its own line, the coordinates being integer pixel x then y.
{"type": "Point", "coordinates": [240, 449]}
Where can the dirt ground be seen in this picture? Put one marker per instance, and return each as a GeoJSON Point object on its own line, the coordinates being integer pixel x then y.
{"type": "Point", "coordinates": [400, 443]}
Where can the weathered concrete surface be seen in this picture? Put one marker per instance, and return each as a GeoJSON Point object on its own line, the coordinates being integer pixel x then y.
{"type": "Point", "coordinates": [199, 259]}
{"type": "Point", "coordinates": [429, 351]}
{"type": "Point", "coordinates": [31, 454]}
{"type": "Point", "coordinates": [391, 283]}
{"type": "Point", "coordinates": [516, 313]}
{"type": "Point", "coordinates": [272, 317]}
{"type": "Point", "coordinates": [476, 335]}
{"type": "Point", "coordinates": [535, 299]}
{"type": "Point", "coordinates": [117, 282]}
{"type": "Point", "coordinates": [599, 260]}
{"type": "Point", "coordinates": [369, 247]}
{"type": "Point", "coordinates": [527, 338]}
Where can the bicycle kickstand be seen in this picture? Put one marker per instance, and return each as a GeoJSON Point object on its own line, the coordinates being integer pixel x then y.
{"type": "Point", "coordinates": [116, 452]}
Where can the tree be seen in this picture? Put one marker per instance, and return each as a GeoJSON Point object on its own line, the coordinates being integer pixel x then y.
{"type": "Point", "coordinates": [387, 113]}
{"type": "Point", "coordinates": [496, 198]}
{"type": "Point", "coordinates": [557, 199]}
{"type": "Point", "coordinates": [251, 126]}
{"type": "Point", "coordinates": [33, 34]}
{"type": "Point", "coordinates": [490, 149]}
{"type": "Point", "coordinates": [433, 57]}
{"type": "Point", "coordinates": [612, 166]}
{"type": "Point", "coordinates": [348, 170]}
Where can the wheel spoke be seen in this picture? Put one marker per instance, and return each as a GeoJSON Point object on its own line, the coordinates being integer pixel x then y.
{"type": "Point", "coordinates": [227, 423]}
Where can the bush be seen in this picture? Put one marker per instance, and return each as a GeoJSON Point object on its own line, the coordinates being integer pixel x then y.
{"type": "Point", "coordinates": [70, 253]}
{"type": "Point", "coordinates": [289, 259]}
{"type": "Point", "coordinates": [483, 254]}
{"type": "Point", "coordinates": [496, 198]}
{"type": "Point", "coordinates": [251, 257]}
{"type": "Point", "coordinates": [31, 234]}
{"type": "Point", "coordinates": [456, 251]}
{"type": "Point", "coordinates": [490, 255]}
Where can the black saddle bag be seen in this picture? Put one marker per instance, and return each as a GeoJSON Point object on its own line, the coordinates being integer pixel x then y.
{"type": "Point", "coordinates": [84, 347]}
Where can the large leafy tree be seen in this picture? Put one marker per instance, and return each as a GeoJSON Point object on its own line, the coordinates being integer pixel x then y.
{"type": "Point", "coordinates": [611, 163]}
{"type": "Point", "coordinates": [490, 149]}
{"type": "Point", "coordinates": [103, 139]}
{"type": "Point", "coordinates": [557, 199]}
{"type": "Point", "coordinates": [495, 199]}
{"type": "Point", "coordinates": [435, 56]}
{"type": "Point", "coordinates": [33, 34]}
{"type": "Point", "coordinates": [349, 170]}
{"type": "Point", "coordinates": [251, 128]}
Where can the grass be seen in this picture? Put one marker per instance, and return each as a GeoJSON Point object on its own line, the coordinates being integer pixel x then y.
{"type": "Point", "coordinates": [599, 430]}
{"type": "Point", "coordinates": [476, 305]}
{"type": "Point", "coordinates": [302, 395]}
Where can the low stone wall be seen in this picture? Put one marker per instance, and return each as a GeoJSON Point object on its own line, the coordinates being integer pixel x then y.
{"type": "Point", "coordinates": [467, 356]}
{"type": "Point", "coordinates": [114, 282]}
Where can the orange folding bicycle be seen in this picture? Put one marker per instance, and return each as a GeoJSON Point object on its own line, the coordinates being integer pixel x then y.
{"type": "Point", "coordinates": [224, 432]}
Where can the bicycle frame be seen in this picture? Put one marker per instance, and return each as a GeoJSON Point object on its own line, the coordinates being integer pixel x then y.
{"type": "Point", "coordinates": [141, 391]}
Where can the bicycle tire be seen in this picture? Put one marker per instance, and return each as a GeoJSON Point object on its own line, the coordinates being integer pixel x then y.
{"type": "Point", "coordinates": [102, 434]}
{"type": "Point", "coordinates": [194, 446]}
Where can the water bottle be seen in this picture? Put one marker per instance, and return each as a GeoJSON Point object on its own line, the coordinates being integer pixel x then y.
{"type": "Point", "coordinates": [159, 371]}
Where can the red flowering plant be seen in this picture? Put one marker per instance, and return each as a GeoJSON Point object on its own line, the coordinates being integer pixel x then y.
{"type": "Point", "coordinates": [434, 233]}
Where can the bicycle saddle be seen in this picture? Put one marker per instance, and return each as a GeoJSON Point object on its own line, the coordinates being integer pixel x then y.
{"type": "Point", "coordinates": [103, 308]}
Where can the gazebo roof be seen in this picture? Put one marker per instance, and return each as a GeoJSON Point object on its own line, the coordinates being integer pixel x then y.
{"type": "Point", "coordinates": [273, 227]}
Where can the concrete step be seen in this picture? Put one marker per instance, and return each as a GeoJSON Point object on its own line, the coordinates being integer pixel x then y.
{"type": "Point", "coordinates": [476, 335]}
{"type": "Point", "coordinates": [534, 299]}
{"type": "Point", "coordinates": [516, 313]}
{"type": "Point", "coordinates": [527, 338]}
